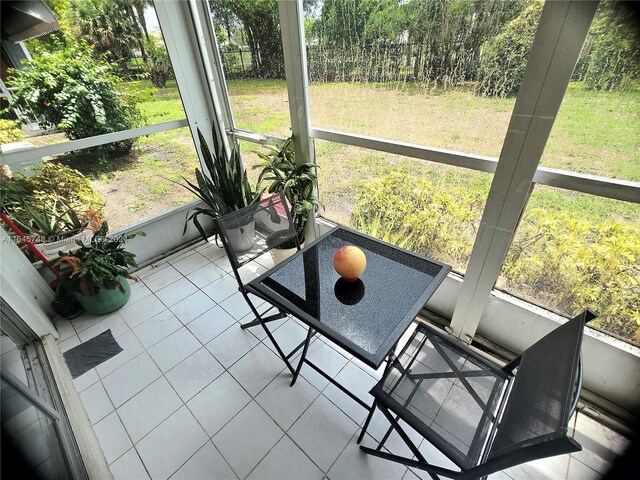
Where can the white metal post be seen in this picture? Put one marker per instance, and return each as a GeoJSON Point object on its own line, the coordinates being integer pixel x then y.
{"type": "Point", "coordinates": [558, 41]}
{"type": "Point", "coordinates": [295, 66]}
{"type": "Point", "coordinates": [177, 22]}
{"type": "Point", "coordinates": [24, 290]}
{"type": "Point", "coordinates": [212, 62]}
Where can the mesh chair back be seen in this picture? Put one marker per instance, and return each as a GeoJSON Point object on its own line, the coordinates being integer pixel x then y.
{"type": "Point", "coordinates": [539, 403]}
{"type": "Point", "coordinates": [251, 231]}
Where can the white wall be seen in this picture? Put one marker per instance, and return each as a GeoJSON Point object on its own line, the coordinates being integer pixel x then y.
{"type": "Point", "coordinates": [23, 289]}
{"type": "Point", "coordinates": [163, 233]}
{"type": "Point", "coordinates": [611, 367]}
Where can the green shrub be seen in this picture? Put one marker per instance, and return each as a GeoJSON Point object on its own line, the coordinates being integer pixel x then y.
{"type": "Point", "coordinates": [614, 60]}
{"type": "Point", "coordinates": [54, 178]}
{"type": "Point", "coordinates": [572, 262]}
{"type": "Point", "coordinates": [158, 65]}
{"type": "Point", "coordinates": [55, 202]}
{"type": "Point", "coordinates": [10, 132]}
{"type": "Point", "coordinates": [503, 59]}
{"type": "Point", "coordinates": [231, 61]}
{"type": "Point", "coordinates": [439, 221]}
{"type": "Point", "coordinates": [76, 92]}
{"type": "Point", "coordinates": [565, 261]}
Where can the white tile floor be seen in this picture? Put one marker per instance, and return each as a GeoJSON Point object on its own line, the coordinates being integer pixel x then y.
{"type": "Point", "coordinates": [193, 396]}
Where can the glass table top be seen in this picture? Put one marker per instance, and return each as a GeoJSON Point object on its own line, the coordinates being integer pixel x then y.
{"type": "Point", "coordinates": [366, 317]}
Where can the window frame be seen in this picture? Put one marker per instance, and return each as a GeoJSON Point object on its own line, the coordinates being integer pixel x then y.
{"type": "Point", "coordinates": [45, 386]}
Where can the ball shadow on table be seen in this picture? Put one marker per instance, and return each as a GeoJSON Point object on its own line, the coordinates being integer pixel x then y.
{"type": "Point", "coordinates": [349, 293]}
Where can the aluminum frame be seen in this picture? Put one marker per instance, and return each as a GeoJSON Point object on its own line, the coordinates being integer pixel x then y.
{"type": "Point", "coordinates": [557, 45]}
{"type": "Point", "coordinates": [625, 190]}
{"type": "Point", "coordinates": [567, 20]}
{"type": "Point", "coordinates": [57, 148]}
{"type": "Point", "coordinates": [45, 385]}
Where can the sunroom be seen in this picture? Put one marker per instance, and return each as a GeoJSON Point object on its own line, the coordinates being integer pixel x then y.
{"type": "Point", "coordinates": [496, 140]}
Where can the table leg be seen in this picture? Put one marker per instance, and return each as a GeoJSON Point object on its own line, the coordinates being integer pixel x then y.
{"type": "Point", "coordinates": [302, 357]}
{"type": "Point", "coordinates": [262, 321]}
{"type": "Point", "coordinates": [390, 359]}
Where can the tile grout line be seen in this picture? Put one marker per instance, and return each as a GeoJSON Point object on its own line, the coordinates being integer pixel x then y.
{"type": "Point", "coordinates": [183, 403]}
{"type": "Point", "coordinates": [253, 397]}
{"type": "Point", "coordinates": [284, 433]}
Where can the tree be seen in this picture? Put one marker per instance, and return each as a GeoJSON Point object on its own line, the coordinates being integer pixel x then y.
{"type": "Point", "coordinates": [224, 18]}
{"type": "Point", "coordinates": [504, 58]}
{"type": "Point", "coordinates": [262, 28]}
{"type": "Point", "coordinates": [71, 89]}
{"type": "Point", "coordinates": [450, 33]}
{"type": "Point", "coordinates": [440, 38]}
{"type": "Point", "coordinates": [139, 6]}
{"type": "Point", "coordinates": [159, 67]}
{"type": "Point", "coordinates": [340, 24]}
{"type": "Point", "coordinates": [109, 25]}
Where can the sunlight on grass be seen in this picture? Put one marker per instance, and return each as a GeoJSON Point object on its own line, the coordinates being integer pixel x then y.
{"type": "Point", "coordinates": [597, 133]}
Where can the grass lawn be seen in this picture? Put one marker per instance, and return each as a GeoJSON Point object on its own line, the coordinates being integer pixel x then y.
{"type": "Point", "coordinates": [595, 133]}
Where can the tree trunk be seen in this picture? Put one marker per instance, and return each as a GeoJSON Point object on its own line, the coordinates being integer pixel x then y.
{"type": "Point", "coordinates": [143, 52]}
{"type": "Point", "coordinates": [264, 39]}
{"type": "Point", "coordinates": [139, 40]}
{"type": "Point", "coordinates": [139, 6]}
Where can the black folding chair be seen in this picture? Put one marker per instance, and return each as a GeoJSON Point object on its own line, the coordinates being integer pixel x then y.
{"type": "Point", "coordinates": [484, 418]}
{"type": "Point", "coordinates": [249, 233]}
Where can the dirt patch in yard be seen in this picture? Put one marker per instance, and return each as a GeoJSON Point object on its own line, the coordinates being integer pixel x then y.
{"type": "Point", "coordinates": [140, 184]}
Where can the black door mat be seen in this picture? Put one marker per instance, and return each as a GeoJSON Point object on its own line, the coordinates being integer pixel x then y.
{"type": "Point", "coordinates": [91, 353]}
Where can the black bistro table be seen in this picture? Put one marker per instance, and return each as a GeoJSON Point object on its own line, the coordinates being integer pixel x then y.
{"type": "Point", "coordinates": [366, 317]}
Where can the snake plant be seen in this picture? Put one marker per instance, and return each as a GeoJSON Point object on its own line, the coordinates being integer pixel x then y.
{"type": "Point", "coordinates": [224, 187]}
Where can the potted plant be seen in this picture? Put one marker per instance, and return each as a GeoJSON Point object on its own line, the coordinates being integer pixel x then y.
{"type": "Point", "coordinates": [53, 207]}
{"type": "Point", "coordinates": [96, 274]}
{"type": "Point", "coordinates": [297, 182]}
{"type": "Point", "coordinates": [224, 188]}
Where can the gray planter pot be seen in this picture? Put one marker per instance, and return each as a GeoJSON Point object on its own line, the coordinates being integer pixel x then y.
{"type": "Point", "coordinates": [281, 250]}
{"type": "Point", "coordinates": [243, 237]}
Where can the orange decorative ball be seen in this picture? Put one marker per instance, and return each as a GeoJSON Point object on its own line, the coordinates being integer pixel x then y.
{"type": "Point", "coordinates": [349, 262]}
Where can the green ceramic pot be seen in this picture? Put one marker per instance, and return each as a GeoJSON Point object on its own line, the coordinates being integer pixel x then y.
{"type": "Point", "coordinates": [106, 301]}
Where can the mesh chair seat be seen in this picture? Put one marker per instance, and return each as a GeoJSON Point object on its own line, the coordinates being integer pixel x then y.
{"type": "Point", "coordinates": [445, 392]}
{"type": "Point", "coordinates": [482, 417]}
